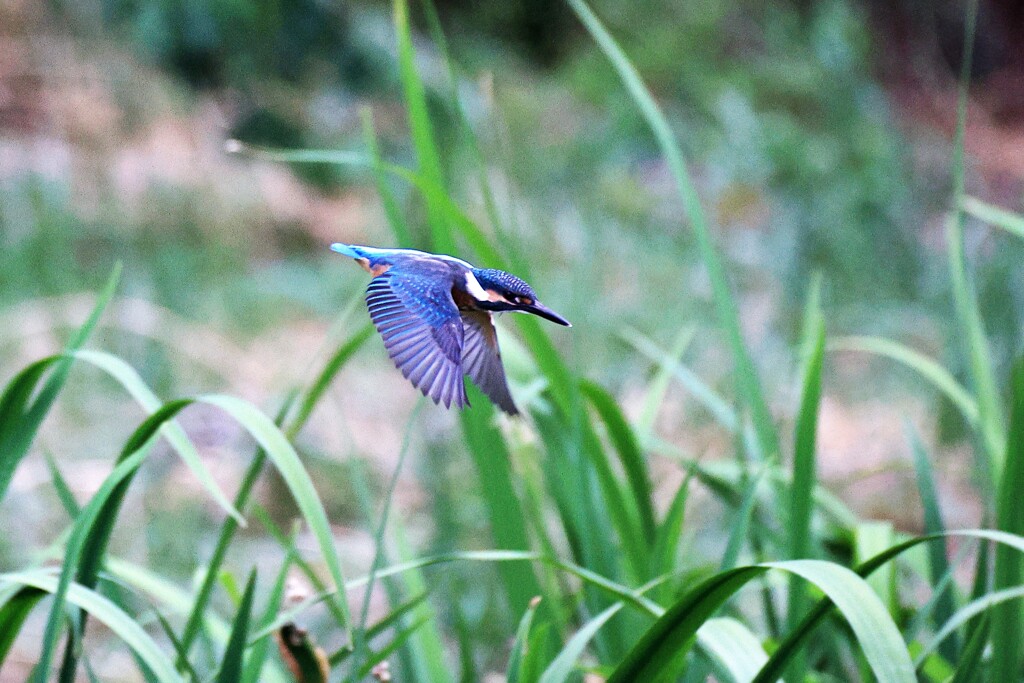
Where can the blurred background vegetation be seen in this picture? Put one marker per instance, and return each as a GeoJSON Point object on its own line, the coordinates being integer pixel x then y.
{"type": "Point", "coordinates": [820, 134]}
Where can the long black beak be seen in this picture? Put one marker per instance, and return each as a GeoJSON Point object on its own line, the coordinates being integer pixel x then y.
{"type": "Point", "coordinates": [537, 308]}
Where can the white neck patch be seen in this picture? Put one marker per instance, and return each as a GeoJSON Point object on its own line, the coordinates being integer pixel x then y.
{"type": "Point", "coordinates": [474, 288]}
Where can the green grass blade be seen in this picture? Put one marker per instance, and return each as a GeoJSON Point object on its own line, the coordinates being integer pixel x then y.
{"type": "Point", "coordinates": [295, 476]}
{"type": "Point", "coordinates": [514, 671]}
{"type": "Point", "coordinates": [128, 378]}
{"type": "Point", "coordinates": [973, 609]}
{"type": "Point", "coordinates": [972, 330]}
{"type": "Point", "coordinates": [232, 662]}
{"type": "Point", "coordinates": [796, 638]}
{"type": "Point", "coordinates": [747, 380]}
{"type": "Point", "coordinates": [630, 455]}
{"type": "Point", "coordinates": [400, 638]}
{"type": "Point", "coordinates": [260, 646]}
{"type": "Point", "coordinates": [704, 394]}
{"type": "Point", "coordinates": [387, 198]}
{"type": "Point", "coordinates": [740, 529]}
{"type": "Point", "coordinates": [659, 383]}
{"type": "Point", "coordinates": [800, 502]}
{"type": "Point", "coordinates": [228, 528]}
{"type": "Point", "coordinates": [22, 408]}
{"type": "Point", "coordinates": [666, 549]}
{"type": "Point", "coordinates": [938, 565]}
{"type": "Point", "coordinates": [394, 618]}
{"type": "Point", "coordinates": [420, 127]}
{"type": "Point", "coordinates": [930, 370]}
{"type": "Point", "coordinates": [969, 666]}
{"type": "Point", "coordinates": [378, 541]}
{"type": "Point", "coordinates": [562, 667]}
{"type": "Point", "coordinates": [107, 613]}
{"type": "Point", "coordinates": [469, 138]}
{"type": "Point", "coordinates": [660, 649]}
{"type": "Point", "coordinates": [733, 648]}
{"type": "Point", "coordinates": [13, 614]}
{"type": "Point", "coordinates": [490, 455]}
{"type": "Point", "coordinates": [60, 485]}
{"type": "Point", "coordinates": [1012, 223]}
{"type": "Point", "coordinates": [870, 538]}
{"type": "Point", "coordinates": [86, 547]}
{"type": "Point", "coordinates": [1008, 620]}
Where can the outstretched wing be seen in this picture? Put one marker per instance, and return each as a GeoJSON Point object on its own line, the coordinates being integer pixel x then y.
{"type": "Point", "coordinates": [481, 359]}
{"type": "Point", "coordinates": [422, 330]}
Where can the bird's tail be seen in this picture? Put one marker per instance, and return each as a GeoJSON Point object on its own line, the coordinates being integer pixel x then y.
{"type": "Point", "coordinates": [349, 250]}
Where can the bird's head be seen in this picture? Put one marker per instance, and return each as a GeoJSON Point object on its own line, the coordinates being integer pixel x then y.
{"type": "Point", "coordinates": [506, 292]}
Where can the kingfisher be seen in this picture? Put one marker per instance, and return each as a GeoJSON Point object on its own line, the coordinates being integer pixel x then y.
{"type": "Point", "coordinates": [436, 316]}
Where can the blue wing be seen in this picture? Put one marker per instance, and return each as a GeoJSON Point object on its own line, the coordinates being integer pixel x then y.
{"type": "Point", "coordinates": [481, 359]}
{"type": "Point", "coordinates": [422, 330]}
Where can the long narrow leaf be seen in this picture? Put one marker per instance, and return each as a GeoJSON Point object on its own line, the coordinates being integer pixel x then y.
{"type": "Point", "coordinates": [671, 636]}
{"type": "Point", "coordinates": [560, 669]}
{"type": "Point", "coordinates": [231, 664]}
{"type": "Point", "coordinates": [128, 378]}
{"type": "Point", "coordinates": [933, 524]}
{"type": "Point", "coordinates": [1008, 619]}
{"type": "Point", "coordinates": [930, 370]}
{"type": "Point", "coordinates": [110, 615]}
{"type": "Point", "coordinates": [25, 402]}
{"type": "Point", "coordinates": [725, 303]}
{"type": "Point", "coordinates": [1012, 223]}
{"type": "Point", "coordinates": [295, 476]}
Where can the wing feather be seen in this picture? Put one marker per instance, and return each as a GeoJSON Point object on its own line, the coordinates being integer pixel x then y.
{"type": "Point", "coordinates": [422, 331]}
{"type": "Point", "coordinates": [481, 359]}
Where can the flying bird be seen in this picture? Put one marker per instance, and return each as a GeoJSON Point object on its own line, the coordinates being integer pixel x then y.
{"type": "Point", "coordinates": [436, 315]}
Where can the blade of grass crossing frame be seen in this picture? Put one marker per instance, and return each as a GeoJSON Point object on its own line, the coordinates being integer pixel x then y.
{"type": "Point", "coordinates": [795, 639]}
{"type": "Point", "coordinates": [964, 298]}
{"type": "Point", "coordinates": [801, 498]}
{"type": "Point", "coordinates": [938, 565]}
{"type": "Point", "coordinates": [422, 658]}
{"type": "Point", "coordinates": [930, 370]}
{"type": "Point", "coordinates": [1012, 223]}
{"type": "Point", "coordinates": [674, 633]}
{"type": "Point", "coordinates": [330, 370]}
{"type": "Point", "coordinates": [870, 538]}
{"type": "Point", "coordinates": [520, 264]}
{"type": "Point", "coordinates": [91, 531]}
{"type": "Point", "coordinates": [732, 648]}
{"type": "Point", "coordinates": [22, 408]}
{"type": "Point", "coordinates": [13, 615]}
{"type": "Point", "coordinates": [391, 209]}
{"type": "Point", "coordinates": [378, 542]}
{"type": "Point", "coordinates": [747, 380]}
{"type": "Point", "coordinates": [562, 667]}
{"type": "Point", "coordinates": [659, 383]}
{"type": "Point", "coordinates": [231, 666]}
{"type": "Point", "coordinates": [110, 615]}
{"type": "Point", "coordinates": [128, 378]}
{"type": "Point", "coordinates": [630, 455]}
{"type": "Point", "coordinates": [61, 488]}
{"type": "Point", "coordinates": [287, 462]}
{"type": "Point", "coordinates": [981, 606]}
{"type": "Point", "coordinates": [420, 127]}
{"type": "Point", "coordinates": [1008, 619]}
{"type": "Point", "coordinates": [514, 670]}
{"type": "Point", "coordinates": [260, 649]}
{"type": "Point", "coordinates": [490, 455]}
{"type": "Point", "coordinates": [970, 669]}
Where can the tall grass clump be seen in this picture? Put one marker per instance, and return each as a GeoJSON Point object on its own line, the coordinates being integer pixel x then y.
{"type": "Point", "coordinates": [594, 574]}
